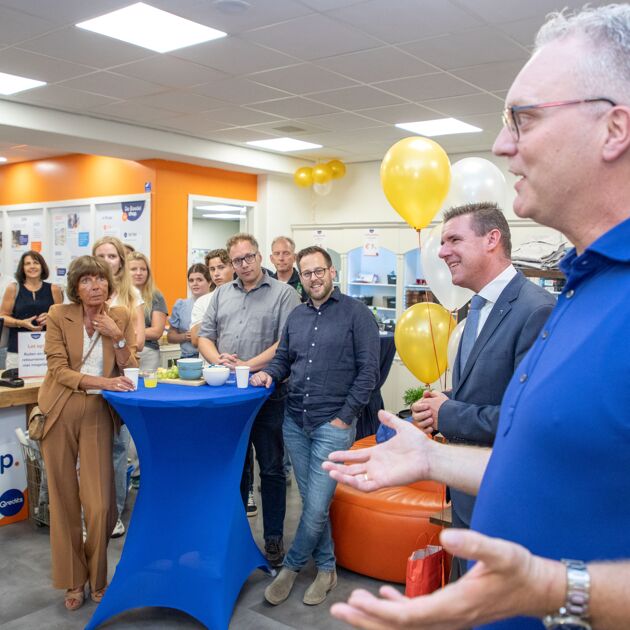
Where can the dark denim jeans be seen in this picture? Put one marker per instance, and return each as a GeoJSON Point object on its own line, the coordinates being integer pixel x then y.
{"type": "Point", "coordinates": [266, 436]}
{"type": "Point", "coordinates": [308, 449]}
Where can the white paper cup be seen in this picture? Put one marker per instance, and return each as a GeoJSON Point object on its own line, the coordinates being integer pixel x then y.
{"type": "Point", "coordinates": [242, 376]}
{"type": "Point", "coordinates": [132, 375]}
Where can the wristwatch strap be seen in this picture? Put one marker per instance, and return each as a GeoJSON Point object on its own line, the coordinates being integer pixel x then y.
{"type": "Point", "coordinates": [574, 613]}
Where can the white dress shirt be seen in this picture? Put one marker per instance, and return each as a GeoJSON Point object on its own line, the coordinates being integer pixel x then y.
{"type": "Point", "coordinates": [491, 293]}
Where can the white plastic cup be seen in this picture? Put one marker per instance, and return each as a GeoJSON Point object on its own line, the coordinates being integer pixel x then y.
{"type": "Point", "coordinates": [242, 376]}
{"type": "Point", "coordinates": [132, 374]}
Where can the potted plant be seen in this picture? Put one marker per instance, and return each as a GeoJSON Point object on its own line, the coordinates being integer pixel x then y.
{"type": "Point", "coordinates": [409, 397]}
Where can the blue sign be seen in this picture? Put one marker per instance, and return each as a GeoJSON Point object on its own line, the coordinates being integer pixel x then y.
{"type": "Point", "coordinates": [84, 239]}
{"type": "Point", "coordinates": [23, 239]}
{"type": "Point", "coordinates": [11, 502]}
{"type": "Point", "coordinates": [132, 210]}
{"type": "Point", "coordinates": [61, 271]}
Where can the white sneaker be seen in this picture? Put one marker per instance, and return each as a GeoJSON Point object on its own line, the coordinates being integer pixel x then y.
{"type": "Point", "coordinates": [251, 510]}
{"type": "Point", "coordinates": [119, 529]}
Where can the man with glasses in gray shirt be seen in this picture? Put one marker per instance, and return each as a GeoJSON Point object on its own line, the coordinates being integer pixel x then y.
{"type": "Point", "coordinates": [242, 326]}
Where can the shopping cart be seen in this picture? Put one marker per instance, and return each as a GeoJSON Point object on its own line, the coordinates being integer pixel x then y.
{"type": "Point", "coordinates": [36, 483]}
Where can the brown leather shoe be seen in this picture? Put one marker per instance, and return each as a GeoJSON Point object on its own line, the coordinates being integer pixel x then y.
{"type": "Point", "coordinates": [281, 587]}
{"type": "Point", "coordinates": [323, 583]}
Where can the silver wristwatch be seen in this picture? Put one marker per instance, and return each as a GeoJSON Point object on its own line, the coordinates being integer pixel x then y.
{"type": "Point", "coordinates": [574, 613]}
{"type": "Point", "coordinates": [120, 344]}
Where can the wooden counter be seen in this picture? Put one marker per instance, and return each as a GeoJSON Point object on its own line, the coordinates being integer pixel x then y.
{"type": "Point", "coordinates": [26, 395]}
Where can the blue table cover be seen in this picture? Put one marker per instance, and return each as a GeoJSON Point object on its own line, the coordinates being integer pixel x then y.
{"type": "Point", "coordinates": [188, 545]}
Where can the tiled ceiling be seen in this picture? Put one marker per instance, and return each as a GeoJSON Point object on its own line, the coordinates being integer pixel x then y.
{"type": "Point", "coordinates": [336, 72]}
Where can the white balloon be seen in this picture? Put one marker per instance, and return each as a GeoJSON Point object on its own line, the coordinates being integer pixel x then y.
{"type": "Point", "coordinates": [453, 343]}
{"type": "Point", "coordinates": [475, 179]}
{"type": "Point", "coordinates": [322, 189]}
{"type": "Point", "coordinates": [438, 275]}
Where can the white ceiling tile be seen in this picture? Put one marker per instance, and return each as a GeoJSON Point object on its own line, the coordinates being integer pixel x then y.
{"type": "Point", "coordinates": [312, 37]}
{"type": "Point", "coordinates": [130, 111]}
{"type": "Point", "coordinates": [239, 116]}
{"type": "Point", "coordinates": [439, 85]}
{"type": "Point", "coordinates": [294, 107]}
{"type": "Point", "coordinates": [397, 21]}
{"type": "Point", "coordinates": [91, 49]}
{"type": "Point", "coordinates": [240, 135]}
{"type": "Point", "coordinates": [110, 84]}
{"type": "Point", "coordinates": [16, 26]}
{"type": "Point", "coordinates": [66, 12]}
{"type": "Point", "coordinates": [483, 45]}
{"type": "Point", "coordinates": [301, 79]}
{"type": "Point", "coordinates": [491, 76]}
{"type": "Point", "coordinates": [198, 124]}
{"type": "Point", "coordinates": [170, 71]}
{"type": "Point", "coordinates": [291, 128]}
{"type": "Point", "coordinates": [522, 31]}
{"type": "Point", "coordinates": [466, 105]}
{"type": "Point", "coordinates": [339, 122]}
{"type": "Point", "coordinates": [360, 97]}
{"type": "Point", "coordinates": [329, 5]}
{"type": "Point", "coordinates": [408, 112]}
{"type": "Point", "coordinates": [180, 101]}
{"type": "Point", "coordinates": [62, 98]}
{"type": "Point", "coordinates": [235, 56]}
{"type": "Point", "coordinates": [33, 66]}
{"type": "Point", "coordinates": [239, 91]}
{"type": "Point", "coordinates": [374, 65]}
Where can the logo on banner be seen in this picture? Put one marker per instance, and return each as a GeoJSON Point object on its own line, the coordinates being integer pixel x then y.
{"type": "Point", "coordinates": [6, 461]}
{"type": "Point", "coordinates": [132, 210]}
{"type": "Point", "coordinates": [11, 502]}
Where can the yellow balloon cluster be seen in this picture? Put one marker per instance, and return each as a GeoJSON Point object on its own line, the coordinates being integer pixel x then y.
{"type": "Point", "coordinates": [421, 340]}
{"type": "Point", "coordinates": [319, 174]}
{"type": "Point", "coordinates": [416, 175]}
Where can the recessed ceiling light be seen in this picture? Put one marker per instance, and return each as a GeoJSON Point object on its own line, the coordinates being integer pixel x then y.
{"type": "Point", "coordinates": [225, 217]}
{"type": "Point", "coordinates": [439, 127]}
{"type": "Point", "coordinates": [284, 144]}
{"type": "Point", "coordinates": [3, 159]}
{"type": "Point", "coordinates": [12, 84]}
{"type": "Point", "coordinates": [222, 207]}
{"type": "Point", "coordinates": [151, 28]}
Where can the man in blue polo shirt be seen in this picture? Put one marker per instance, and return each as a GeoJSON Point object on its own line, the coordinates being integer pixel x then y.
{"type": "Point", "coordinates": [553, 508]}
{"type": "Point", "coordinates": [330, 350]}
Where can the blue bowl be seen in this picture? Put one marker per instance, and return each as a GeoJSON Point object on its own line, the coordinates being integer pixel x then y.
{"type": "Point", "coordinates": [189, 369]}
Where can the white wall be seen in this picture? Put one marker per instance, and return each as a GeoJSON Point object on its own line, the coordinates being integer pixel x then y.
{"type": "Point", "coordinates": [211, 234]}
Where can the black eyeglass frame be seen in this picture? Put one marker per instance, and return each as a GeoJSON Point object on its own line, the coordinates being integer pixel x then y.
{"type": "Point", "coordinates": [510, 113]}
{"type": "Point", "coordinates": [319, 273]}
{"type": "Point", "coordinates": [248, 258]}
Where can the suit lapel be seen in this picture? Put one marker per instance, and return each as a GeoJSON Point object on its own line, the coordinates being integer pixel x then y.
{"type": "Point", "coordinates": [73, 331]}
{"type": "Point", "coordinates": [501, 308]}
{"type": "Point", "coordinates": [108, 349]}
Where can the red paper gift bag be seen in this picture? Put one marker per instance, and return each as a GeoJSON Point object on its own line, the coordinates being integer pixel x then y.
{"type": "Point", "coordinates": [425, 571]}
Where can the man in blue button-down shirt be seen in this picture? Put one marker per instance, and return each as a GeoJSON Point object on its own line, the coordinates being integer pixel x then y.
{"type": "Point", "coordinates": [330, 350]}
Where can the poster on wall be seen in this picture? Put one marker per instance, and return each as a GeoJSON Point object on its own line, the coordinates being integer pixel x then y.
{"type": "Point", "coordinates": [26, 234]}
{"type": "Point", "coordinates": [70, 238]}
{"type": "Point", "coordinates": [31, 357]}
{"type": "Point", "coordinates": [127, 220]}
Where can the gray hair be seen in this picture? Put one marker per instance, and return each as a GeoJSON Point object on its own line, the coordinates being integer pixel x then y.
{"type": "Point", "coordinates": [284, 238]}
{"type": "Point", "coordinates": [605, 69]}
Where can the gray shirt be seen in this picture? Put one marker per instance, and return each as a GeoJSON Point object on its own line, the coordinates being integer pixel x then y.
{"type": "Point", "coordinates": [246, 323]}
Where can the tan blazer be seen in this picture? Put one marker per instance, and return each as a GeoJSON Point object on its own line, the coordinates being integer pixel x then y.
{"type": "Point", "coordinates": [64, 352]}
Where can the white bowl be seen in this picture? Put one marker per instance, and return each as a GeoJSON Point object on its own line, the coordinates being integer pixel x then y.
{"type": "Point", "coordinates": [216, 375]}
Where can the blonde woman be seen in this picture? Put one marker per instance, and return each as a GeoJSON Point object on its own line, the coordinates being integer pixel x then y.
{"type": "Point", "coordinates": [112, 251]}
{"type": "Point", "coordinates": [155, 311]}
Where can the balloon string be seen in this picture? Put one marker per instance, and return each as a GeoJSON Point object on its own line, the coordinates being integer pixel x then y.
{"type": "Point", "coordinates": [435, 354]}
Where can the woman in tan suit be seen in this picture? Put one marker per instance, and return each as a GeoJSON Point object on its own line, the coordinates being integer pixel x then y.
{"type": "Point", "coordinates": [87, 346]}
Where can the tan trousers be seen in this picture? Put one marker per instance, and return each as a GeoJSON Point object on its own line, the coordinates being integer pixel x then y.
{"type": "Point", "coordinates": [84, 429]}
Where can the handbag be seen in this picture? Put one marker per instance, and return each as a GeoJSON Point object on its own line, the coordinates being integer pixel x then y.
{"type": "Point", "coordinates": [425, 571]}
{"type": "Point", "coordinates": [37, 418]}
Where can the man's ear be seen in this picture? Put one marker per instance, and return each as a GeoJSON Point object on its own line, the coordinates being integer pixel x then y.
{"type": "Point", "coordinates": [493, 239]}
{"type": "Point", "coordinates": [617, 141]}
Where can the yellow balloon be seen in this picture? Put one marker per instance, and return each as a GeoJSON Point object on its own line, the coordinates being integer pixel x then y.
{"type": "Point", "coordinates": [421, 339]}
{"type": "Point", "coordinates": [338, 168]}
{"type": "Point", "coordinates": [415, 175]}
{"type": "Point", "coordinates": [303, 177]}
{"type": "Point", "coordinates": [322, 173]}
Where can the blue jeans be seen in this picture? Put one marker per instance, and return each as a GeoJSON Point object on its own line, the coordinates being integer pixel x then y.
{"type": "Point", "coordinates": [308, 450]}
{"type": "Point", "coordinates": [267, 439]}
{"type": "Point", "coordinates": [120, 450]}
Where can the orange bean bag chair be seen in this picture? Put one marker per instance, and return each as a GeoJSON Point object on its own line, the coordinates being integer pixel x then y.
{"type": "Point", "coordinates": [376, 532]}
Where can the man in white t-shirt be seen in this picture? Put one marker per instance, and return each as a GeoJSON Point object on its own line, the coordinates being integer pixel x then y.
{"type": "Point", "coordinates": [221, 271]}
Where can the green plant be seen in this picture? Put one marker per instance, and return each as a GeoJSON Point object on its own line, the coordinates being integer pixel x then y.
{"type": "Point", "coordinates": [412, 394]}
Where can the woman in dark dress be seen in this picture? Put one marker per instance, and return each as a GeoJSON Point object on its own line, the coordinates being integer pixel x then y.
{"type": "Point", "coordinates": [26, 302]}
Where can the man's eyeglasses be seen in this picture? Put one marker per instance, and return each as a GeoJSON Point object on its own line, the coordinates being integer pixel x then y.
{"type": "Point", "coordinates": [248, 258]}
{"type": "Point", "coordinates": [318, 273]}
{"type": "Point", "coordinates": [511, 115]}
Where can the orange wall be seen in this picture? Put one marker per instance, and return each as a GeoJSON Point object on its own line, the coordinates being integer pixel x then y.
{"type": "Point", "coordinates": [81, 176]}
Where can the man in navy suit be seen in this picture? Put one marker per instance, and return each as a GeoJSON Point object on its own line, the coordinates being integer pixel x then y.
{"type": "Point", "coordinates": [507, 313]}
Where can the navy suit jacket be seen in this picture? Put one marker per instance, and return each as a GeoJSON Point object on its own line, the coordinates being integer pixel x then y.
{"type": "Point", "coordinates": [471, 414]}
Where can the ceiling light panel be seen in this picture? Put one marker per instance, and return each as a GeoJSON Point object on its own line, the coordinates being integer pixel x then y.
{"type": "Point", "coordinates": [439, 127]}
{"type": "Point", "coordinates": [151, 28]}
{"type": "Point", "coordinates": [12, 84]}
{"type": "Point", "coordinates": [284, 144]}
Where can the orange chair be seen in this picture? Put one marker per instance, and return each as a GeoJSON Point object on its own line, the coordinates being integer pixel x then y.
{"type": "Point", "coordinates": [375, 532]}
